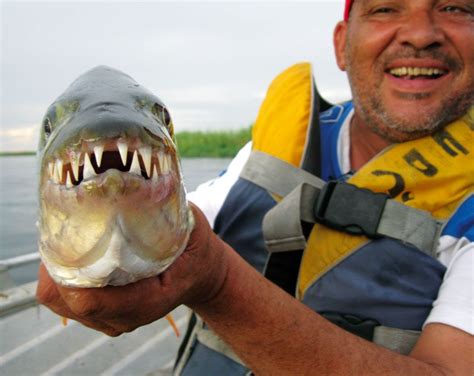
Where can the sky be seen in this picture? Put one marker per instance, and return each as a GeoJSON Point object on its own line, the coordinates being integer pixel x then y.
{"type": "Point", "coordinates": [210, 62]}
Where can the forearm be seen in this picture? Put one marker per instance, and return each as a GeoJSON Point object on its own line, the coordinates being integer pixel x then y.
{"type": "Point", "coordinates": [275, 334]}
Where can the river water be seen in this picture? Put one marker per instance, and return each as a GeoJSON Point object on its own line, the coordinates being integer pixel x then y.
{"type": "Point", "coordinates": [18, 203]}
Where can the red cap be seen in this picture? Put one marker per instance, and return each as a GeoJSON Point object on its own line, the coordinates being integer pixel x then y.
{"type": "Point", "coordinates": [347, 9]}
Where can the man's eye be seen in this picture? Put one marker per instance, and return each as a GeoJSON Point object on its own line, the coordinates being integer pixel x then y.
{"type": "Point", "coordinates": [457, 9]}
{"type": "Point", "coordinates": [383, 10]}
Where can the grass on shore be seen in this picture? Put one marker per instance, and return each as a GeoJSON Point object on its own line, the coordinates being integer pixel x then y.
{"type": "Point", "coordinates": [215, 144]}
{"type": "Point", "coordinates": [16, 153]}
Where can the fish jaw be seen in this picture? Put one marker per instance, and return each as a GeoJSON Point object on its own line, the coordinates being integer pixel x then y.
{"type": "Point", "coordinates": [119, 265]}
{"type": "Point", "coordinates": [112, 227]}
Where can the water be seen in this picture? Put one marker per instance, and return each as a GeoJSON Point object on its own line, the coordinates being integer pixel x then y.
{"type": "Point", "coordinates": [18, 203]}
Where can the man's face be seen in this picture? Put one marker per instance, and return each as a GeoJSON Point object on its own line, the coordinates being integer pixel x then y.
{"type": "Point", "coordinates": [410, 63]}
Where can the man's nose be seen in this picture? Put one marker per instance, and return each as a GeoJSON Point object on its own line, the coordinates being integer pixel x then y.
{"type": "Point", "coordinates": [421, 30]}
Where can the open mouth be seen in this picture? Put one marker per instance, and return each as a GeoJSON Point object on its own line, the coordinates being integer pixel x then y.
{"type": "Point", "coordinates": [93, 160]}
{"type": "Point", "coordinates": [413, 73]}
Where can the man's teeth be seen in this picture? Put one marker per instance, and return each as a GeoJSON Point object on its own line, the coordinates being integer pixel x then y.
{"type": "Point", "coordinates": [416, 71]}
{"type": "Point", "coordinates": [151, 164]}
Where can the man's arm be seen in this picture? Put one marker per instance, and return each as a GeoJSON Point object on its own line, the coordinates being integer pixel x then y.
{"type": "Point", "coordinates": [270, 330]}
{"type": "Point", "coordinates": [276, 335]}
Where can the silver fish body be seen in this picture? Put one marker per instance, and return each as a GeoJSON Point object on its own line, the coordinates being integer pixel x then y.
{"type": "Point", "coordinates": [113, 206]}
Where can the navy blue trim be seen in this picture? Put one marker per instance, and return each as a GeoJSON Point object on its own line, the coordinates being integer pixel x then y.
{"type": "Point", "coordinates": [239, 222]}
{"type": "Point", "coordinates": [384, 280]}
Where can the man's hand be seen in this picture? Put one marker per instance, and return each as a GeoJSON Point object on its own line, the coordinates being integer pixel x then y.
{"type": "Point", "coordinates": [195, 277]}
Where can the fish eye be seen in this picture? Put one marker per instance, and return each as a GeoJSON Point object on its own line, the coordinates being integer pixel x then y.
{"type": "Point", "coordinates": [47, 127]}
{"type": "Point", "coordinates": [162, 113]}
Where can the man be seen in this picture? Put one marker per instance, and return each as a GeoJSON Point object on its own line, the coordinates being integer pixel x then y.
{"type": "Point", "coordinates": [411, 68]}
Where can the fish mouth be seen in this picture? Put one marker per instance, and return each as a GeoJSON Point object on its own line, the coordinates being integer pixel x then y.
{"type": "Point", "coordinates": [112, 203]}
{"type": "Point", "coordinates": [88, 160]}
{"type": "Point", "coordinates": [95, 192]}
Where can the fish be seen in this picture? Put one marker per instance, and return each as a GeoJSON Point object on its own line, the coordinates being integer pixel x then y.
{"type": "Point", "coordinates": [112, 202]}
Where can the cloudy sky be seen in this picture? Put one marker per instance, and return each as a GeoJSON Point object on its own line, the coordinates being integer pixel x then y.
{"type": "Point", "coordinates": [210, 62]}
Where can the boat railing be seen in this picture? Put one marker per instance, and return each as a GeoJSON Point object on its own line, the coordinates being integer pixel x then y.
{"type": "Point", "coordinates": [16, 298]}
{"type": "Point", "coordinates": [19, 260]}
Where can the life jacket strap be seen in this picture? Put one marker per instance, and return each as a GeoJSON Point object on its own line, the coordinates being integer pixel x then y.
{"type": "Point", "coordinates": [338, 205]}
{"type": "Point", "coordinates": [401, 341]}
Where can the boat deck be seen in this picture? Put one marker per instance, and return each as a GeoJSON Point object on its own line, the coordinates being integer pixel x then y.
{"type": "Point", "coordinates": [33, 341]}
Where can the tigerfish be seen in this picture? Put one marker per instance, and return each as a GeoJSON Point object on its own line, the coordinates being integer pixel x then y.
{"type": "Point", "coordinates": [112, 203]}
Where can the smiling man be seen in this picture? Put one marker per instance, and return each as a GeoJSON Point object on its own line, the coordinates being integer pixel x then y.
{"type": "Point", "coordinates": [385, 282]}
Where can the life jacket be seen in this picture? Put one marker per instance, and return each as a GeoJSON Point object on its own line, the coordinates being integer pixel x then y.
{"type": "Point", "coordinates": [358, 251]}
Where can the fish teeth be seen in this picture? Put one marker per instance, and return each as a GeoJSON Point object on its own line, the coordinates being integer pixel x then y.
{"type": "Point", "coordinates": [168, 162]}
{"type": "Point", "coordinates": [75, 166]}
{"type": "Point", "coordinates": [51, 170]}
{"type": "Point", "coordinates": [145, 152]}
{"type": "Point", "coordinates": [135, 168]}
{"type": "Point", "coordinates": [88, 169]}
{"type": "Point", "coordinates": [163, 160]}
{"type": "Point", "coordinates": [98, 151]}
{"type": "Point", "coordinates": [68, 180]}
{"type": "Point", "coordinates": [123, 150]}
{"type": "Point", "coordinates": [154, 179]}
{"type": "Point", "coordinates": [58, 171]}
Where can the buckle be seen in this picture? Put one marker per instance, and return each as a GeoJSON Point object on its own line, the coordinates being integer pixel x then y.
{"type": "Point", "coordinates": [360, 327]}
{"type": "Point", "coordinates": [351, 209]}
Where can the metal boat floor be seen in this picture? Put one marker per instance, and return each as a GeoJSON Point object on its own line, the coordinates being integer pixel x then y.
{"type": "Point", "coordinates": [33, 341]}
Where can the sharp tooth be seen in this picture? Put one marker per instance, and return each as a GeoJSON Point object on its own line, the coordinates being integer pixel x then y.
{"type": "Point", "coordinates": [135, 168]}
{"type": "Point", "coordinates": [58, 171]}
{"type": "Point", "coordinates": [51, 169]}
{"type": "Point", "coordinates": [75, 166]}
{"type": "Point", "coordinates": [68, 180]}
{"type": "Point", "coordinates": [88, 169]}
{"type": "Point", "coordinates": [98, 151]}
{"type": "Point", "coordinates": [166, 168]}
{"type": "Point", "coordinates": [161, 160]}
{"type": "Point", "coordinates": [166, 165]}
{"type": "Point", "coordinates": [154, 179]}
{"type": "Point", "coordinates": [123, 150]}
{"type": "Point", "coordinates": [145, 152]}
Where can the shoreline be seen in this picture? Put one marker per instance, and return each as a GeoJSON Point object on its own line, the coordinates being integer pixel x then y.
{"type": "Point", "coordinates": [191, 144]}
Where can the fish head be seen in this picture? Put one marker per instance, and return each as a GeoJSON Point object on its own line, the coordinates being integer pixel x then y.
{"type": "Point", "coordinates": [112, 203]}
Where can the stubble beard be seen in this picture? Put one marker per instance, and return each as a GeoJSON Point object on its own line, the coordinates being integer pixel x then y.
{"type": "Point", "coordinates": [391, 126]}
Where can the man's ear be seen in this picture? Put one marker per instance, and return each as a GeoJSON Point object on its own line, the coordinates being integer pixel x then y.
{"type": "Point", "coordinates": [339, 40]}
